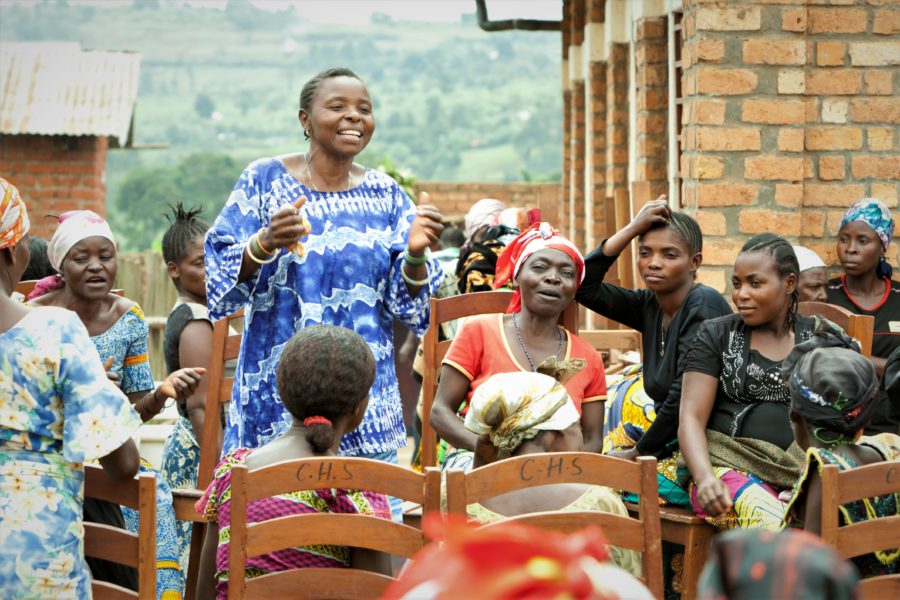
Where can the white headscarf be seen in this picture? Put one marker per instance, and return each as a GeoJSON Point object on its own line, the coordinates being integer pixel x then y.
{"type": "Point", "coordinates": [74, 226]}
{"type": "Point", "coordinates": [807, 258]}
{"type": "Point", "coordinates": [485, 212]}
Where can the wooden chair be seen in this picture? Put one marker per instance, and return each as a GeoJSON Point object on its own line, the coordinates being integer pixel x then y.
{"type": "Point", "coordinates": [118, 545]}
{"type": "Point", "coordinates": [641, 534]}
{"type": "Point", "coordinates": [226, 346]}
{"type": "Point", "coordinates": [840, 487]}
{"type": "Point", "coordinates": [360, 531]}
{"type": "Point", "coordinates": [861, 327]}
{"type": "Point", "coordinates": [450, 309]}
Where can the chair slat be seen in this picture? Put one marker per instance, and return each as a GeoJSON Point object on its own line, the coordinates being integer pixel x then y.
{"type": "Point", "coordinates": [103, 487]}
{"type": "Point", "coordinates": [336, 472]}
{"type": "Point", "coordinates": [619, 530]}
{"type": "Point", "coordinates": [868, 481]}
{"type": "Point", "coordinates": [359, 531]}
{"type": "Point", "coordinates": [320, 584]}
{"type": "Point", "coordinates": [104, 590]}
{"type": "Point", "coordinates": [110, 543]}
{"type": "Point", "coordinates": [879, 588]}
{"type": "Point", "coordinates": [861, 327]}
{"type": "Point", "coordinates": [869, 536]}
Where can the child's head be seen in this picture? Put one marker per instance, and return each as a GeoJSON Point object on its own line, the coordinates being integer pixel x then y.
{"type": "Point", "coordinates": [324, 376]}
{"type": "Point", "coordinates": [669, 254]}
{"type": "Point", "coordinates": [764, 283]}
{"type": "Point", "coordinates": [182, 247]}
{"type": "Point", "coordinates": [833, 390]}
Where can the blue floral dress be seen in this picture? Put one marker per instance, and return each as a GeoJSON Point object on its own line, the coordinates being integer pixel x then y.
{"type": "Point", "coordinates": [350, 276]}
{"type": "Point", "coordinates": [127, 343]}
{"type": "Point", "coordinates": [57, 410]}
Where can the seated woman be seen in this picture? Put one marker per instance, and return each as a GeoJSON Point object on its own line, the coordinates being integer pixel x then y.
{"type": "Point", "coordinates": [643, 420]}
{"type": "Point", "coordinates": [83, 253]}
{"type": "Point", "coordinates": [833, 396]}
{"type": "Point", "coordinates": [324, 408]}
{"type": "Point", "coordinates": [513, 414]}
{"type": "Point", "coordinates": [57, 410]}
{"type": "Point", "coordinates": [547, 270]}
{"type": "Point", "coordinates": [734, 431]}
{"type": "Point", "coordinates": [866, 288]}
{"type": "Point", "coordinates": [813, 276]}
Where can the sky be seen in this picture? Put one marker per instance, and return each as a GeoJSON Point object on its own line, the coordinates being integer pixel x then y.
{"type": "Point", "coordinates": [353, 12]}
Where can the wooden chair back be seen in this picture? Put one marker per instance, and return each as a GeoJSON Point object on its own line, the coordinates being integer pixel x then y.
{"type": "Point", "coordinates": [27, 286]}
{"type": "Point", "coordinates": [118, 545]}
{"type": "Point", "coordinates": [641, 533]}
{"type": "Point", "coordinates": [226, 346]}
{"type": "Point", "coordinates": [840, 487]}
{"type": "Point", "coordinates": [360, 531]}
{"type": "Point", "coordinates": [608, 339]}
{"type": "Point", "coordinates": [450, 309]}
{"type": "Point", "coordinates": [861, 327]}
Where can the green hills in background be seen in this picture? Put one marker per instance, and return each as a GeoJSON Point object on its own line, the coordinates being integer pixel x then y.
{"type": "Point", "coordinates": [221, 88]}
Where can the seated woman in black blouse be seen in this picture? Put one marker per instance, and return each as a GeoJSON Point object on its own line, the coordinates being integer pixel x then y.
{"type": "Point", "coordinates": [668, 314]}
{"type": "Point", "coordinates": [734, 430]}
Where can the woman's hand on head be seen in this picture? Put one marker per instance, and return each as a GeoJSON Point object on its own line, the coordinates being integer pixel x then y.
{"type": "Point", "coordinates": [286, 227]}
{"type": "Point", "coordinates": [182, 383]}
{"type": "Point", "coordinates": [426, 227]}
{"type": "Point", "coordinates": [714, 497]}
{"type": "Point", "coordinates": [653, 213]}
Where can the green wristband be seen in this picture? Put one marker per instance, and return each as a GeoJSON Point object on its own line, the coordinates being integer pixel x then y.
{"type": "Point", "coordinates": [414, 261]}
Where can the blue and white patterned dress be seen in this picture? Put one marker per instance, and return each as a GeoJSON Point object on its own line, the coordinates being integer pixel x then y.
{"type": "Point", "coordinates": [57, 410]}
{"type": "Point", "coordinates": [350, 277]}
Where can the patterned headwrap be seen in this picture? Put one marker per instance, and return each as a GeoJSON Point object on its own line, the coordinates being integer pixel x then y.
{"type": "Point", "coordinates": [834, 390]}
{"type": "Point", "coordinates": [509, 560]}
{"type": "Point", "coordinates": [876, 215]}
{"type": "Point", "coordinates": [513, 407]}
{"type": "Point", "coordinates": [484, 213]}
{"type": "Point", "coordinates": [540, 236]}
{"type": "Point", "coordinates": [74, 226]}
{"type": "Point", "coordinates": [14, 222]}
{"type": "Point", "coordinates": [747, 564]}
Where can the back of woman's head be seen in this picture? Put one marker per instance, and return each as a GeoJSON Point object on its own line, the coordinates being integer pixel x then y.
{"type": "Point", "coordinates": [833, 387]}
{"type": "Point", "coordinates": [184, 226]}
{"type": "Point", "coordinates": [324, 373]}
{"type": "Point", "coordinates": [686, 228]}
{"type": "Point", "coordinates": [312, 86]}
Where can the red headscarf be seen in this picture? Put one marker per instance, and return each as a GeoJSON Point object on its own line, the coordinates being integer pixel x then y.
{"type": "Point", "coordinates": [539, 236]}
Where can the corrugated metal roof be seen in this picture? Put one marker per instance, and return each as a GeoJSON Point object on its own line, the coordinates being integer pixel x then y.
{"type": "Point", "coordinates": [58, 89]}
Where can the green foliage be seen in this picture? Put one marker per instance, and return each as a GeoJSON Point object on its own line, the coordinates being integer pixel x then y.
{"type": "Point", "coordinates": [203, 179]}
{"type": "Point", "coordinates": [204, 106]}
{"type": "Point", "coordinates": [404, 177]}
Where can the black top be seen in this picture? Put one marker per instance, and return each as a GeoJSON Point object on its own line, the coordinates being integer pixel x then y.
{"type": "Point", "coordinates": [885, 341]}
{"type": "Point", "coordinates": [181, 315]}
{"type": "Point", "coordinates": [752, 400]}
{"type": "Point", "coordinates": [664, 351]}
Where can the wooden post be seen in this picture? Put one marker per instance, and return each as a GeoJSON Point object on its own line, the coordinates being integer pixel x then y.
{"type": "Point", "coordinates": [625, 262]}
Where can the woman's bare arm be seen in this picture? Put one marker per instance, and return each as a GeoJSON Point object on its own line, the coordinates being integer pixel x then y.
{"type": "Point", "coordinates": [451, 393]}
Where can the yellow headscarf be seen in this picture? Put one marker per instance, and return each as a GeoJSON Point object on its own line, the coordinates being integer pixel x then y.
{"type": "Point", "coordinates": [14, 222]}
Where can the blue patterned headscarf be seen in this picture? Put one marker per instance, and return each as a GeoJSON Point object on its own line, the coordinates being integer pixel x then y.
{"type": "Point", "coordinates": [876, 215]}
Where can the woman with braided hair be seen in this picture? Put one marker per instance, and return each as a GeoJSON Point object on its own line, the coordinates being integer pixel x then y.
{"type": "Point", "coordinates": [734, 432]}
{"type": "Point", "coordinates": [833, 397]}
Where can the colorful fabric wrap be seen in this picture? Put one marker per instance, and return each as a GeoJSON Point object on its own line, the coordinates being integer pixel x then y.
{"type": "Point", "coordinates": [876, 215]}
{"type": "Point", "coordinates": [745, 564]}
{"type": "Point", "coordinates": [513, 407]}
{"type": "Point", "coordinates": [541, 236]}
{"type": "Point", "coordinates": [14, 222]}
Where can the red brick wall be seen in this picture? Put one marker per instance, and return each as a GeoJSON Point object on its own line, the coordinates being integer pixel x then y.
{"type": "Point", "coordinates": [790, 115]}
{"type": "Point", "coordinates": [55, 174]}
{"type": "Point", "coordinates": [651, 100]}
{"type": "Point", "coordinates": [454, 198]}
{"type": "Point", "coordinates": [617, 119]}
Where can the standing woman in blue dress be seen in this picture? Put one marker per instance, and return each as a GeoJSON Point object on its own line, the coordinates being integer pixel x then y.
{"type": "Point", "coordinates": [361, 263]}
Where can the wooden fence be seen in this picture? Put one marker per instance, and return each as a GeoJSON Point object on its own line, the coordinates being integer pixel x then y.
{"type": "Point", "coordinates": [145, 280]}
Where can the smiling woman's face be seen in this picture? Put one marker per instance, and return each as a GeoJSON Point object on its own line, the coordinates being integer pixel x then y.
{"type": "Point", "coordinates": [89, 268]}
{"type": "Point", "coordinates": [548, 281]}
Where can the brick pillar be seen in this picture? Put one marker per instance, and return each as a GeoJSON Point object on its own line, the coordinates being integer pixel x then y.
{"type": "Point", "coordinates": [616, 119]}
{"type": "Point", "coordinates": [788, 120]}
{"type": "Point", "coordinates": [595, 126]}
{"type": "Point", "coordinates": [55, 174]}
{"type": "Point", "coordinates": [561, 219]}
{"type": "Point", "coordinates": [577, 124]}
{"type": "Point", "coordinates": [651, 85]}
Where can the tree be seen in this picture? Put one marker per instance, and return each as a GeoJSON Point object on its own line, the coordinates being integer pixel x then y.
{"type": "Point", "coordinates": [204, 105]}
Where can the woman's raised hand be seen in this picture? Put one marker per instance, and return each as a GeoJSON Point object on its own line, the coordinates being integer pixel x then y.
{"type": "Point", "coordinates": [426, 227]}
{"type": "Point", "coordinates": [181, 384]}
{"type": "Point", "coordinates": [286, 227]}
{"type": "Point", "coordinates": [653, 213]}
